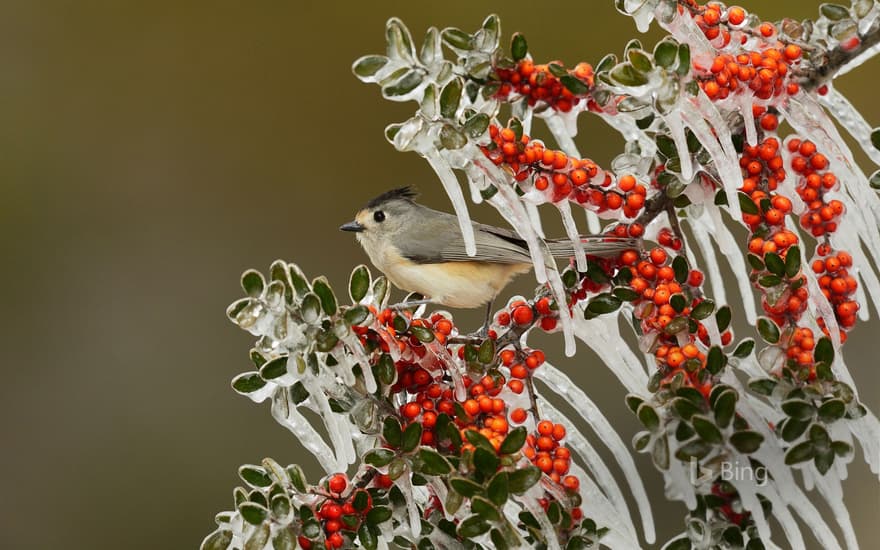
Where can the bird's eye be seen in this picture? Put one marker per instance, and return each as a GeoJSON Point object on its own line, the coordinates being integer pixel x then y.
{"type": "Point", "coordinates": [379, 216]}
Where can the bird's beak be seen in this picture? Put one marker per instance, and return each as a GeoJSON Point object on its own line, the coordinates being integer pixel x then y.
{"type": "Point", "coordinates": [354, 227]}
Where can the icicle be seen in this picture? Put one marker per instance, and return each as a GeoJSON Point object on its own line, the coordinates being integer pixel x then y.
{"type": "Point", "coordinates": [452, 368]}
{"type": "Point", "coordinates": [284, 411]}
{"type": "Point", "coordinates": [341, 441]}
{"type": "Point", "coordinates": [819, 304]}
{"type": "Point", "coordinates": [593, 224]}
{"type": "Point", "coordinates": [562, 135]}
{"type": "Point", "coordinates": [535, 218]}
{"type": "Point", "coordinates": [601, 496]}
{"type": "Point", "coordinates": [711, 266]}
{"type": "Point", "coordinates": [453, 189]}
{"type": "Point", "coordinates": [831, 491]}
{"type": "Point", "coordinates": [749, 498]}
{"type": "Point", "coordinates": [745, 109]}
{"type": "Point", "coordinates": [726, 164]}
{"type": "Point", "coordinates": [728, 246]}
{"type": "Point", "coordinates": [676, 480]}
{"type": "Point", "coordinates": [676, 130]}
{"type": "Point", "coordinates": [530, 503]}
{"type": "Point", "coordinates": [404, 483]}
{"type": "Point", "coordinates": [602, 335]}
{"type": "Point", "coordinates": [560, 384]}
{"type": "Point", "coordinates": [710, 112]}
{"type": "Point", "coordinates": [851, 119]}
{"type": "Point", "coordinates": [783, 516]}
{"type": "Point", "coordinates": [573, 234]}
{"type": "Point", "coordinates": [354, 346]}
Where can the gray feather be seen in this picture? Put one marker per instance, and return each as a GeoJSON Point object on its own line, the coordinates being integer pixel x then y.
{"type": "Point", "coordinates": [436, 238]}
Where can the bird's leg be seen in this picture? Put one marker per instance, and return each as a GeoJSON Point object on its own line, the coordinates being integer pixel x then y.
{"type": "Point", "coordinates": [411, 304]}
{"type": "Point", "coordinates": [484, 330]}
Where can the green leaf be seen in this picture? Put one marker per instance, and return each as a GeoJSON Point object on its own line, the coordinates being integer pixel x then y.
{"type": "Point", "coordinates": [486, 352]}
{"type": "Point", "coordinates": [297, 477]}
{"type": "Point", "coordinates": [451, 138]}
{"type": "Point", "coordinates": [218, 540]}
{"type": "Point", "coordinates": [356, 315]}
{"type": "Point", "coordinates": [696, 448]}
{"type": "Point", "coordinates": [486, 461]}
{"type": "Point", "coordinates": [253, 513]}
{"type": "Point", "coordinates": [253, 283]}
{"type": "Point", "coordinates": [648, 417]}
{"type": "Point", "coordinates": [684, 407]}
{"type": "Point", "coordinates": [359, 283]}
{"type": "Point", "coordinates": [680, 268]}
{"type": "Point", "coordinates": [798, 409]}
{"type": "Point", "coordinates": [874, 180]}
{"type": "Point", "coordinates": [556, 70]}
{"type": "Point", "coordinates": [465, 487]}
{"type": "Point", "coordinates": [660, 453]}
{"type": "Point", "coordinates": [834, 12]}
{"type": "Point", "coordinates": [824, 352]}
{"type": "Point", "coordinates": [325, 294]}
{"type": "Point", "coordinates": [520, 481]}
{"type": "Point", "coordinates": [248, 382]}
{"type": "Point", "coordinates": [665, 53]}
{"type": "Point", "coordinates": [412, 436]}
{"type": "Point", "coordinates": [678, 302]}
{"type": "Point", "coordinates": [681, 543]}
{"type": "Point", "coordinates": [518, 47]}
{"type": "Point", "coordinates": [639, 60]}
{"type": "Point", "coordinates": [769, 281]}
{"type": "Point", "coordinates": [498, 489]}
{"type": "Point", "coordinates": [715, 360]}
{"type": "Point", "coordinates": [832, 410]}
{"type": "Point", "coordinates": [626, 75]}
{"type": "Point", "coordinates": [366, 537]}
{"type": "Point", "coordinates": [774, 263]}
{"type": "Point", "coordinates": [422, 334]}
{"type": "Point", "coordinates": [633, 401]}
{"type": "Point", "coordinates": [747, 205]}
{"type": "Point", "coordinates": [724, 407]}
{"type": "Point", "coordinates": [405, 84]}
{"type": "Point", "coordinates": [392, 432]}
{"type": "Point", "coordinates": [378, 457]}
{"type": "Point", "coordinates": [792, 428]}
{"type": "Point", "coordinates": [684, 59]}
{"type": "Point", "coordinates": [258, 538]}
{"type": "Point", "coordinates": [625, 293]}
{"type": "Point", "coordinates": [433, 464]}
{"type": "Point", "coordinates": [800, 453]}
{"type": "Point", "coordinates": [744, 349]}
{"type": "Point", "coordinates": [254, 476]}
{"type": "Point", "coordinates": [477, 439]}
{"type": "Point", "coordinates": [473, 526]}
{"type": "Point", "coordinates": [450, 98]}
{"type": "Point", "coordinates": [601, 304]}
{"type": "Point", "coordinates": [792, 262]}
{"type": "Point", "coordinates": [762, 386]}
{"type": "Point", "coordinates": [275, 368]}
{"type": "Point", "coordinates": [768, 330]}
{"type": "Point", "coordinates": [722, 318]}
{"type": "Point", "coordinates": [841, 448]}
{"type": "Point", "coordinates": [476, 125]}
{"type": "Point", "coordinates": [514, 441]}
{"type": "Point", "coordinates": [378, 514]}
{"type": "Point", "coordinates": [485, 509]}
{"type": "Point", "coordinates": [875, 138]}
{"type": "Point", "coordinates": [574, 84]}
{"type": "Point", "coordinates": [706, 429]}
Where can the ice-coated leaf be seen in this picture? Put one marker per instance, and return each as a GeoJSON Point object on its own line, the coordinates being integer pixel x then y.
{"type": "Point", "coordinates": [359, 283]}
{"type": "Point", "coordinates": [832, 410]}
{"type": "Point", "coordinates": [450, 98]}
{"type": "Point", "coordinates": [486, 461]}
{"type": "Point", "coordinates": [684, 59]}
{"type": "Point", "coordinates": [514, 441]}
{"type": "Point", "coordinates": [325, 294]}
{"type": "Point", "coordinates": [824, 352]}
{"type": "Point", "coordinates": [412, 436]}
{"type": "Point", "coordinates": [574, 84]}
{"type": "Point", "coordinates": [800, 453]}
{"type": "Point", "coordinates": [696, 448]}
{"type": "Point", "coordinates": [798, 409]}
{"type": "Point", "coordinates": [433, 463]}
{"type": "Point", "coordinates": [424, 335]}
{"type": "Point", "coordinates": [356, 315]}
{"type": "Point", "coordinates": [406, 83]}
{"type": "Point", "coordinates": [521, 480]}
{"type": "Point", "coordinates": [451, 138]}
{"type": "Point", "coordinates": [392, 432]}
{"type": "Point", "coordinates": [218, 540]}
{"type": "Point", "coordinates": [747, 205]}
{"type": "Point", "coordinates": [258, 538]}
{"type": "Point", "coordinates": [665, 53]}
{"type": "Point", "coordinates": [722, 318]}
{"type": "Point", "coordinates": [275, 368]}
{"type": "Point", "coordinates": [253, 513]}
{"type": "Point", "coordinates": [744, 348]}
{"type": "Point", "coordinates": [774, 263]}
{"type": "Point", "coordinates": [518, 46]}
{"type": "Point", "coordinates": [378, 514]}
{"type": "Point", "coordinates": [768, 330]}
{"type": "Point", "coordinates": [498, 489]}
{"type": "Point", "coordinates": [834, 12]}
{"type": "Point", "coordinates": [379, 457]}
{"type": "Point", "coordinates": [715, 360]}
{"type": "Point", "coordinates": [724, 407]}
{"type": "Point", "coordinates": [456, 38]}
{"type": "Point", "coordinates": [476, 125]}
{"type": "Point", "coordinates": [472, 527]}
{"type": "Point", "coordinates": [792, 262]}
{"type": "Point", "coordinates": [706, 429]}
{"type": "Point", "coordinates": [640, 60]}
{"type": "Point", "coordinates": [703, 310]}
{"type": "Point", "coordinates": [648, 417]}
{"type": "Point", "coordinates": [762, 386]}
{"type": "Point", "coordinates": [601, 304]}
{"type": "Point", "coordinates": [368, 65]}
{"type": "Point", "coordinates": [625, 75]}
{"type": "Point", "coordinates": [297, 477]}
{"type": "Point", "coordinates": [253, 283]}
{"type": "Point", "coordinates": [465, 487]}
{"type": "Point", "coordinates": [248, 382]}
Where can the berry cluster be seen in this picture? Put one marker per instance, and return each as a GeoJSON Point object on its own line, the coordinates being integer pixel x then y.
{"type": "Point", "coordinates": [762, 70]}
{"type": "Point", "coordinates": [520, 313]}
{"type": "Point", "coordinates": [545, 450]}
{"type": "Point", "coordinates": [814, 180]}
{"type": "Point", "coordinates": [342, 511]}
{"type": "Point", "coordinates": [558, 177]}
{"type": "Point", "coordinates": [542, 84]}
{"type": "Point", "coordinates": [837, 285]}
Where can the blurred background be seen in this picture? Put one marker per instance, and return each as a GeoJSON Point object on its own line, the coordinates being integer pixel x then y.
{"type": "Point", "coordinates": [152, 151]}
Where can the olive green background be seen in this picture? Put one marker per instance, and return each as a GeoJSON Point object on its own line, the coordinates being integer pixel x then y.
{"type": "Point", "coordinates": [149, 153]}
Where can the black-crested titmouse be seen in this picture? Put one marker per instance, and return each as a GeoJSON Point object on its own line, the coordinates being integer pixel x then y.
{"type": "Point", "coordinates": [422, 250]}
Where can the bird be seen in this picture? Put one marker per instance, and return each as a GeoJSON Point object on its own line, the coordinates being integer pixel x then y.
{"type": "Point", "coordinates": [422, 250]}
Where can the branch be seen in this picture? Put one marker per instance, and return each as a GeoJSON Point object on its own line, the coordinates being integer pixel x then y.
{"type": "Point", "coordinates": [834, 60]}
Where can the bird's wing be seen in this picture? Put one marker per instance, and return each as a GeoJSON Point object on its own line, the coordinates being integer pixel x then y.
{"type": "Point", "coordinates": [424, 244]}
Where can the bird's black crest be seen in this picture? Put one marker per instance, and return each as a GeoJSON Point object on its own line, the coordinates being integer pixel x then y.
{"type": "Point", "coordinates": [404, 193]}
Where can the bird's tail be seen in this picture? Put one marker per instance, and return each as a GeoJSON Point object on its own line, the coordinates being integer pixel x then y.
{"type": "Point", "coordinates": [602, 246]}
